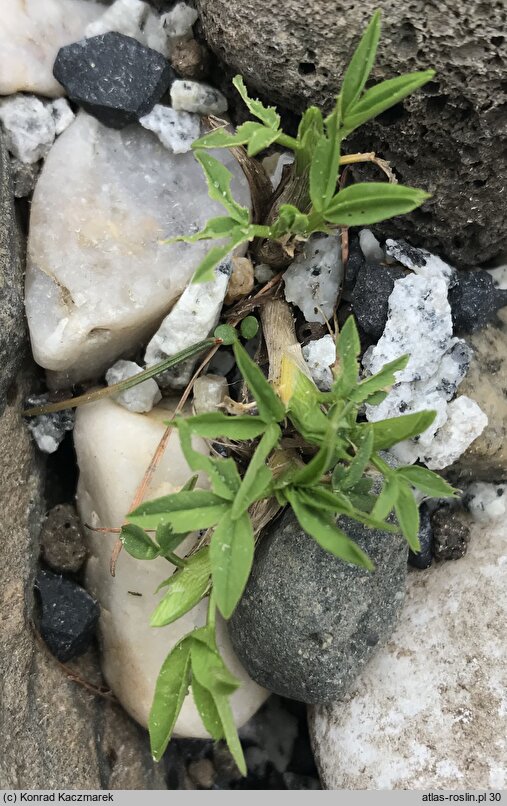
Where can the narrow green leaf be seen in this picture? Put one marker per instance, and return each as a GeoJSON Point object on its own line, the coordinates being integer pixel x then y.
{"type": "Point", "coordinates": [167, 539]}
{"type": "Point", "coordinates": [170, 691]}
{"type": "Point", "coordinates": [215, 424]}
{"type": "Point", "coordinates": [210, 670]}
{"type": "Point", "coordinates": [218, 178]}
{"type": "Point", "coordinates": [186, 587]}
{"type": "Point", "coordinates": [379, 382]}
{"type": "Point", "coordinates": [231, 554]}
{"type": "Point", "coordinates": [427, 481]}
{"type": "Point", "coordinates": [223, 138]}
{"type": "Point", "coordinates": [267, 114]}
{"type": "Point", "coordinates": [370, 202]}
{"type": "Point", "coordinates": [184, 511]}
{"type": "Point", "coordinates": [215, 228]}
{"type": "Point", "coordinates": [387, 498]}
{"type": "Point", "coordinates": [324, 173]}
{"type": "Point", "coordinates": [305, 411]}
{"type": "Point", "coordinates": [137, 543]}
{"type": "Point", "coordinates": [407, 514]}
{"type": "Point", "coordinates": [395, 429]}
{"type": "Point", "coordinates": [205, 272]}
{"type": "Point", "coordinates": [223, 474]}
{"type": "Point", "coordinates": [269, 405]}
{"type": "Point", "coordinates": [318, 465]}
{"type": "Point", "coordinates": [258, 477]}
{"type": "Point", "coordinates": [230, 732]}
{"type": "Point", "coordinates": [320, 497]}
{"type": "Point", "coordinates": [383, 96]}
{"type": "Point", "coordinates": [361, 64]}
{"type": "Point", "coordinates": [290, 219]}
{"type": "Point", "coordinates": [361, 459]}
{"type": "Point", "coordinates": [348, 347]}
{"type": "Point", "coordinates": [207, 709]}
{"type": "Point", "coordinates": [319, 526]}
{"type": "Point", "coordinates": [260, 140]}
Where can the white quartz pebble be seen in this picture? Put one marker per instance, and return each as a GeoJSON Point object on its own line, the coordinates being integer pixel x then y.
{"type": "Point", "coordinates": [175, 130]}
{"type": "Point", "coordinates": [194, 96]}
{"type": "Point", "coordinates": [370, 247]}
{"type": "Point", "coordinates": [139, 398]}
{"type": "Point", "coordinates": [320, 355]}
{"type": "Point", "coordinates": [209, 392]}
{"type": "Point", "coordinates": [29, 127]}
{"type": "Point", "coordinates": [486, 503]}
{"type": "Point", "coordinates": [62, 114]}
{"type": "Point", "coordinates": [313, 279]}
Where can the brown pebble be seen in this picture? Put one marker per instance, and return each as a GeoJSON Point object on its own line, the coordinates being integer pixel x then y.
{"type": "Point", "coordinates": [62, 542]}
{"type": "Point", "coordinates": [242, 280]}
{"type": "Point", "coordinates": [202, 773]}
{"type": "Point", "coordinates": [190, 59]}
{"type": "Point", "coordinates": [451, 534]}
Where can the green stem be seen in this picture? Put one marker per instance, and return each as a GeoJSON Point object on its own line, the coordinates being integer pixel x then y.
{"type": "Point", "coordinates": [288, 141]}
{"type": "Point", "coordinates": [212, 611]}
{"type": "Point", "coordinates": [173, 558]}
{"type": "Point", "coordinates": [122, 386]}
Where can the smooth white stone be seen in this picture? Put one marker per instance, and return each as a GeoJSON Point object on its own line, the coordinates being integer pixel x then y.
{"type": "Point", "coordinates": [486, 503]}
{"type": "Point", "coordinates": [29, 127]}
{"type": "Point", "coordinates": [114, 447]}
{"type": "Point", "coordinates": [192, 319]}
{"type": "Point", "coordinates": [419, 324]}
{"type": "Point", "coordinates": [124, 16]}
{"type": "Point", "coordinates": [175, 130]}
{"type": "Point", "coordinates": [140, 398]}
{"type": "Point", "coordinates": [178, 22]}
{"type": "Point", "coordinates": [62, 114]}
{"type": "Point", "coordinates": [314, 277]}
{"type": "Point", "coordinates": [194, 96]}
{"type": "Point", "coordinates": [430, 709]}
{"type": "Point", "coordinates": [31, 34]}
{"type": "Point", "coordinates": [209, 392]}
{"type": "Point", "coordinates": [320, 355]}
{"type": "Point", "coordinates": [370, 246]}
{"type": "Point", "coordinates": [99, 279]}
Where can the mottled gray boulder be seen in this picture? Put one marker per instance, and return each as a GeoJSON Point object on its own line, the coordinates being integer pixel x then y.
{"type": "Point", "coordinates": [447, 138]}
{"type": "Point", "coordinates": [308, 622]}
{"type": "Point", "coordinates": [12, 315]}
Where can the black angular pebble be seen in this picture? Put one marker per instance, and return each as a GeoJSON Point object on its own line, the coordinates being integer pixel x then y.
{"type": "Point", "coordinates": [423, 558]}
{"type": "Point", "coordinates": [113, 77]}
{"type": "Point", "coordinates": [474, 300]}
{"type": "Point", "coordinates": [370, 297]}
{"type": "Point", "coordinates": [69, 615]}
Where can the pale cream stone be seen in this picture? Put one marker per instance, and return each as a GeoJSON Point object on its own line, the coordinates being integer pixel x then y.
{"type": "Point", "coordinates": [99, 279]}
{"type": "Point", "coordinates": [114, 447]}
{"type": "Point", "coordinates": [430, 709]}
{"type": "Point", "coordinates": [31, 34]}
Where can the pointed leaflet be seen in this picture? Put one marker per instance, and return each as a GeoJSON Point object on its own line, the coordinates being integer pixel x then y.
{"type": "Point", "coordinates": [215, 424]}
{"type": "Point", "coordinates": [260, 140]}
{"type": "Point", "coordinates": [311, 129]}
{"type": "Point", "coordinates": [426, 481]}
{"type": "Point", "coordinates": [231, 734]}
{"type": "Point", "coordinates": [224, 476]}
{"type": "Point", "coordinates": [325, 164]}
{"type": "Point", "coordinates": [319, 525]}
{"type": "Point", "coordinates": [215, 228]}
{"type": "Point", "coordinates": [184, 511]}
{"type": "Point", "coordinates": [407, 514]}
{"type": "Point", "coordinates": [223, 138]}
{"type": "Point", "coordinates": [186, 587]}
{"type": "Point", "coordinates": [137, 543]}
{"type": "Point", "coordinates": [231, 554]}
{"type": "Point", "coordinates": [269, 405]}
{"type": "Point", "coordinates": [207, 709]}
{"type": "Point", "coordinates": [371, 202]}
{"type": "Point", "coordinates": [379, 382]}
{"type": "Point", "coordinates": [258, 477]}
{"type": "Point", "coordinates": [387, 498]}
{"type": "Point", "coordinates": [319, 464]}
{"type": "Point", "coordinates": [170, 691]}
{"type": "Point", "coordinates": [382, 96]}
{"type": "Point", "coordinates": [267, 114]}
{"type": "Point", "coordinates": [360, 65]}
{"type": "Point", "coordinates": [348, 347]}
{"type": "Point", "coordinates": [219, 178]}
{"type": "Point", "coordinates": [205, 272]}
{"type": "Point", "coordinates": [210, 670]}
{"type": "Point", "coordinates": [361, 459]}
{"type": "Point", "coordinates": [389, 432]}
{"type": "Point", "coordinates": [321, 498]}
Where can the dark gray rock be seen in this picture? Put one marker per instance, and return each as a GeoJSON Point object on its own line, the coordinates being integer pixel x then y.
{"type": "Point", "coordinates": [451, 533]}
{"type": "Point", "coordinates": [69, 615]}
{"type": "Point", "coordinates": [370, 297]}
{"type": "Point", "coordinates": [308, 622]}
{"type": "Point", "coordinates": [62, 542]}
{"type": "Point", "coordinates": [474, 300]}
{"type": "Point", "coordinates": [424, 557]}
{"type": "Point", "coordinates": [447, 138]}
{"type": "Point", "coordinates": [12, 312]}
{"type": "Point", "coordinates": [113, 77]}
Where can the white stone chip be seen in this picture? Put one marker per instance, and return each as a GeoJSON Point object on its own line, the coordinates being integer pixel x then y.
{"type": "Point", "coordinates": [31, 34]}
{"type": "Point", "coordinates": [263, 273]}
{"type": "Point", "coordinates": [420, 324]}
{"type": "Point", "coordinates": [313, 279]}
{"type": "Point", "coordinates": [486, 503]}
{"type": "Point", "coordinates": [140, 398]}
{"type": "Point", "coordinates": [175, 130]}
{"type": "Point", "coordinates": [209, 392]}
{"type": "Point", "coordinates": [499, 275]}
{"type": "Point", "coordinates": [370, 246]}
{"type": "Point", "coordinates": [194, 96]}
{"type": "Point", "coordinates": [178, 22]}
{"type": "Point", "coordinates": [114, 448]}
{"type": "Point", "coordinates": [62, 114]}
{"type": "Point", "coordinates": [124, 16]}
{"type": "Point", "coordinates": [192, 319]}
{"type": "Point", "coordinates": [320, 355]}
{"type": "Point", "coordinates": [29, 127]}
{"type": "Point", "coordinates": [274, 165]}
{"type": "Point", "coordinates": [419, 260]}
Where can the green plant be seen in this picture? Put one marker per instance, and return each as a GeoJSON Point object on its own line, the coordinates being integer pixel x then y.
{"type": "Point", "coordinates": [336, 480]}
{"type": "Point", "coordinates": [316, 172]}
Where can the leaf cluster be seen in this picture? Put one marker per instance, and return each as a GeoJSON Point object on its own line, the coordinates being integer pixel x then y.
{"type": "Point", "coordinates": [317, 151]}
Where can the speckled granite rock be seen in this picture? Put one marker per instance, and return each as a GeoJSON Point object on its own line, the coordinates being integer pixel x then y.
{"type": "Point", "coordinates": [445, 139]}
{"type": "Point", "coordinates": [308, 622]}
{"type": "Point", "coordinates": [429, 712]}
